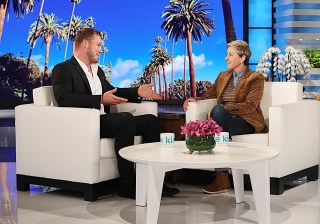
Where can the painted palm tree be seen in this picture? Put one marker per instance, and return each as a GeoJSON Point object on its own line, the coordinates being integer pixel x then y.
{"type": "Point", "coordinates": [153, 70]}
{"type": "Point", "coordinates": [175, 33]}
{"type": "Point", "coordinates": [104, 51]}
{"type": "Point", "coordinates": [104, 35]}
{"type": "Point", "coordinates": [188, 19]}
{"type": "Point", "coordinates": [20, 8]}
{"type": "Point", "coordinates": [149, 72]}
{"type": "Point", "coordinates": [89, 22]}
{"type": "Point", "coordinates": [159, 40]}
{"type": "Point", "coordinates": [163, 58]}
{"type": "Point", "coordinates": [107, 72]}
{"type": "Point", "coordinates": [146, 73]}
{"type": "Point", "coordinates": [228, 21]}
{"type": "Point", "coordinates": [68, 33]}
{"type": "Point", "coordinates": [24, 84]}
{"type": "Point", "coordinates": [70, 30]}
{"type": "Point", "coordinates": [50, 30]}
{"type": "Point", "coordinates": [172, 70]}
{"type": "Point", "coordinates": [156, 68]}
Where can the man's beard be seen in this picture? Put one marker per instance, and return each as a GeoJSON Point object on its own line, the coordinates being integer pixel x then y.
{"type": "Point", "coordinates": [93, 58]}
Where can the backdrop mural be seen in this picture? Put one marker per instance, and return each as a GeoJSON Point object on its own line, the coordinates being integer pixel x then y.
{"type": "Point", "coordinates": [179, 44]}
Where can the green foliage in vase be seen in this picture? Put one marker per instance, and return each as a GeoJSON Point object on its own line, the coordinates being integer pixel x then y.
{"type": "Point", "coordinates": [200, 143]}
{"type": "Point", "coordinates": [313, 56]}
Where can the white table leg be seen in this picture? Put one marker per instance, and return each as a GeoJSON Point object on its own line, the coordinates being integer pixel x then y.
{"type": "Point", "coordinates": [237, 176]}
{"type": "Point", "coordinates": [260, 181]}
{"type": "Point", "coordinates": [141, 184]}
{"type": "Point", "coordinates": [141, 213]}
{"type": "Point", "coordinates": [156, 177]}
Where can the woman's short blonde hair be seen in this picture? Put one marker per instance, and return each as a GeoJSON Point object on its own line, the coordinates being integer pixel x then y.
{"type": "Point", "coordinates": [242, 48]}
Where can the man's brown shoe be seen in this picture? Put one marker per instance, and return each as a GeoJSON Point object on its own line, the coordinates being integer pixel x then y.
{"type": "Point", "coordinates": [220, 184]}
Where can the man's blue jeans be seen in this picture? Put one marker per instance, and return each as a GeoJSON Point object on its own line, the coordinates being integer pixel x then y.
{"type": "Point", "coordinates": [235, 125]}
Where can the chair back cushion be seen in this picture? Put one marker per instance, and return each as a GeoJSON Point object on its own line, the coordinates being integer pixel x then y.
{"type": "Point", "coordinates": [44, 96]}
{"type": "Point", "coordinates": [276, 93]}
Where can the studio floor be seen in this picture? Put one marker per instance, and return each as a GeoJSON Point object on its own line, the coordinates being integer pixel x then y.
{"type": "Point", "coordinates": [300, 203]}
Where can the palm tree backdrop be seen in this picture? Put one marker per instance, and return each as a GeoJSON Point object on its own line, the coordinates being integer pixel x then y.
{"type": "Point", "coordinates": [188, 19]}
{"type": "Point", "coordinates": [156, 66]}
{"type": "Point", "coordinates": [150, 73]}
{"type": "Point", "coordinates": [172, 69]}
{"type": "Point", "coordinates": [70, 30]}
{"type": "Point", "coordinates": [163, 58]}
{"type": "Point", "coordinates": [68, 33]}
{"type": "Point", "coordinates": [20, 8]}
{"type": "Point", "coordinates": [228, 21]}
{"type": "Point", "coordinates": [104, 51]}
{"type": "Point", "coordinates": [49, 29]}
{"type": "Point", "coordinates": [24, 83]}
{"type": "Point", "coordinates": [89, 22]}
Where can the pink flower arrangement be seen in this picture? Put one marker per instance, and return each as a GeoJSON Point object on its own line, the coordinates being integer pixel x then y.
{"type": "Point", "coordinates": [201, 128]}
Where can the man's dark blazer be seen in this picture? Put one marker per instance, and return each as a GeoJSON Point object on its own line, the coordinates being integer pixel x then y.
{"type": "Point", "coordinates": [71, 87]}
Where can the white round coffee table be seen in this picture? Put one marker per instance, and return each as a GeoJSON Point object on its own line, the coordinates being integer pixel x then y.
{"type": "Point", "coordinates": [152, 161]}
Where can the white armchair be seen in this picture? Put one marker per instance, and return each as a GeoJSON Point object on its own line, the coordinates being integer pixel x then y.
{"type": "Point", "coordinates": [294, 129]}
{"type": "Point", "coordinates": [61, 146]}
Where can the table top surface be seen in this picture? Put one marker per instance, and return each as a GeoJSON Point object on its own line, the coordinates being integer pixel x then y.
{"type": "Point", "coordinates": [229, 154]}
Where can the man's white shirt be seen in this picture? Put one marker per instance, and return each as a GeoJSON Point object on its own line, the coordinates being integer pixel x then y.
{"type": "Point", "coordinates": [93, 79]}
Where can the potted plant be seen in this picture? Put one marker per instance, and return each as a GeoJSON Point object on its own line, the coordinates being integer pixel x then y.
{"type": "Point", "coordinates": [201, 135]}
{"type": "Point", "coordinates": [285, 67]}
{"type": "Point", "coordinates": [313, 56]}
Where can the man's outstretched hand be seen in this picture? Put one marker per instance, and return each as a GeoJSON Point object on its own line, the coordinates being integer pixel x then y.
{"type": "Point", "coordinates": [108, 98]}
{"type": "Point", "coordinates": [146, 92]}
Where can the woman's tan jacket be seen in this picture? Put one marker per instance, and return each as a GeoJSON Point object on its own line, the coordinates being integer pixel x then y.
{"type": "Point", "coordinates": [247, 97]}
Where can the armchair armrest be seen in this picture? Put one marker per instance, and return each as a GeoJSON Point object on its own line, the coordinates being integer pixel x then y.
{"type": "Point", "coordinates": [294, 129]}
{"type": "Point", "coordinates": [76, 134]}
{"type": "Point", "coordinates": [145, 107]}
{"type": "Point", "coordinates": [199, 110]}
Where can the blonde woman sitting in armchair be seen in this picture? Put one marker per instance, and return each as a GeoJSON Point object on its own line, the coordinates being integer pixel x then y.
{"type": "Point", "coordinates": [238, 91]}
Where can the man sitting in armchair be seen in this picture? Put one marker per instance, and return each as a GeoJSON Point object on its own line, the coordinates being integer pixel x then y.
{"type": "Point", "coordinates": [80, 82]}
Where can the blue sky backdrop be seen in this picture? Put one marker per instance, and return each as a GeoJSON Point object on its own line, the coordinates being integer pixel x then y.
{"type": "Point", "coordinates": [132, 27]}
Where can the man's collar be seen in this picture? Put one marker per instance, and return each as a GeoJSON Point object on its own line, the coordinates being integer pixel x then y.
{"type": "Point", "coordinates": [84, 66]}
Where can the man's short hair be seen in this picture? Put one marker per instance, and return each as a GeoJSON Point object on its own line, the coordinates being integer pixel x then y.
{"type": "Point", "coordinates": [242, 48]}
{"type": "Point", "coordinates": [85, 34]}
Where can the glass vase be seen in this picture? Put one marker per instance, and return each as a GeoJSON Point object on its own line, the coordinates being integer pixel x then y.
{"type": "Point", "coordinates": [200, 144]}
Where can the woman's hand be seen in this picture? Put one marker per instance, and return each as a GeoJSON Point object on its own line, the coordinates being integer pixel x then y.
{"type": "Point", "coordinates": [209, 115]}
{"type": "Point", "coordinates": [186, 103]}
